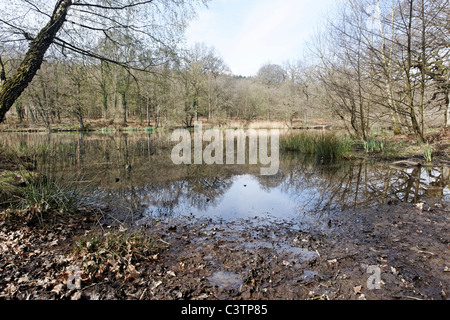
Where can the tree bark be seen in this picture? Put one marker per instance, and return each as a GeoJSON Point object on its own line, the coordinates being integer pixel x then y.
{"type": "Point", "coordinates": [12, 88]}
{"type": "Point", "coordinates": [123, 97]}
{"type": "Point", "coordinates": [409, 85]}
{"type": "Point", "coordinates": [447, 111]}
{"type": "Point", "coordinates": [2, 72]}
{"type": "Point", "coordinates": [388, 71]}
{"type": "Point", "coordinates": [80, 120]}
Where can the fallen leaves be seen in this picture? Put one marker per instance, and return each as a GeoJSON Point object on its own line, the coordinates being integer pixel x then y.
{"type": "Point", "coordinates": [30, 261]}
{"type": "Point", "coordinates": [116, 255]}
{"type": "Point", "coordinates": [155, 285]}
{"type": "Point", "coordinates": [34, 260]}
{"type": "Point", "coordinates": [34, 265]}
{"type": "Point", "coordinates": [332, 261]}
{"type": "Point", "coordinates": [132, 273]}
{"type": "Point", "coordinates": [287, 263]}
{"type": "Point", "coordinates": [420, 206]}
{"type": "Point", "coordinates": [125, 265]}
{"type": "Point", "coordinates": [171, 273]}
{"type": "Point", "coordinates": [58, 288]}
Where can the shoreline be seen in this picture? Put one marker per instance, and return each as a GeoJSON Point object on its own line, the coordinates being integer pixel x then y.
{"type": "Point", "coordinates": [204, 259]}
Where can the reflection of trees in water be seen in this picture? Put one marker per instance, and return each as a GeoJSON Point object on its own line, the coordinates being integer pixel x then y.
{"type": "Point", "coordinates": [270, 182]}
{"type": "Point", "coordinates": [205, 187]}
{"type": "Point", "coordinates": [410, 185]}
{"type": "Point", "coordinates": [317, 185]}
{"type": "Point", "coordinates": [155, 181]}
{"type": "Point", "coordinates": [164, 197]}
{"type": "Point", "coordinates": [349, 184]}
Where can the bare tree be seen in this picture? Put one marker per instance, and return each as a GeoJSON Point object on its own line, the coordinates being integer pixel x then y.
{"type": "Point", "coordinates": [76, 26]}
{"type": "Point", "coordinates": [397, 63]}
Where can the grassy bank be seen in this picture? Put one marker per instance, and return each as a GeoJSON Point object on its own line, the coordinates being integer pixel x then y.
{"type": "Point", "coordinates": [135, 125]}
{"type": "Point", "coordinates": [32, 192]}
{"type": "Point", "coordinates": [39, 197]}
{"type": "Point", "coordinates": [330, 145]}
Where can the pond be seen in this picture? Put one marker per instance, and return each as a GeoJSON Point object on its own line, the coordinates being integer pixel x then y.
{"type": "Point", "coordinates": [133, 174]}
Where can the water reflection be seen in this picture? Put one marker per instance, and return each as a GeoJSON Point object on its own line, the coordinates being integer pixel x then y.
{"type": "Point", "coordinates": [154, 187]}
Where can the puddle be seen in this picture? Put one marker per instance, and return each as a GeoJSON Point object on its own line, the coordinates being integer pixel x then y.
{"type": "Point", "coordinates": [309, 275]}
{"type": "Point", "coordinates": [225, 280]}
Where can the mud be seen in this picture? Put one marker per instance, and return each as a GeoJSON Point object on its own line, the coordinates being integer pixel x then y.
{"type": "Point", "coordinates": [252, 259]}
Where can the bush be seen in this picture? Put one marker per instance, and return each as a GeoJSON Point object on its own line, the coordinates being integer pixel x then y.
{"type": "Point", "coordinates": [32, 189]}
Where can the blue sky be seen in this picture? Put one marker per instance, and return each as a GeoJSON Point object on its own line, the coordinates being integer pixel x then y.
{"type": "Point", "coordinates": [250, 33]}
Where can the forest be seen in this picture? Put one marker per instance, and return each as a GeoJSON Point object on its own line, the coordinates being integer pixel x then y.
{"type": "Point", "coordinates": [382, 64]}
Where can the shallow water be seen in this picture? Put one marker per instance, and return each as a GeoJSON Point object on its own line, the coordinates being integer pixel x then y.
{"type": "Point", "coordinates": [154, 188]}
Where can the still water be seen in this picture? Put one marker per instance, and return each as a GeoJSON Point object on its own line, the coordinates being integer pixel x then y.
{"type": "Point", "coordinates": [133, 174]}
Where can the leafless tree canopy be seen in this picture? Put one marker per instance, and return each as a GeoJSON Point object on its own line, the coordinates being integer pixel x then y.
{"type": "Point", "coordinates": [85, 28]}
{"type": "Point", "coordinates": [151, 25]}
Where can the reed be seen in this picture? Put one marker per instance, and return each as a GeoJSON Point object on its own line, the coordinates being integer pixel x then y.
{"type": "Point", "coordinates": [427, 152]}
{"type": "Point", "coordinates": [373, 145]}
{"type": "Point", "coordinates": [45, 193]}
{"type": "Point", "coordinates": [324, 144]}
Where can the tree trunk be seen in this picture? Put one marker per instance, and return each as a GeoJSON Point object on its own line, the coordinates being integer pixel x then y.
{"type": "Point", "coordinates": [388, 70]}
{"type": "Point", "coordinates": [409, 85]}
{"type": "Point", "coordinates": [2, 72]}
{"type": "Point", "coordinates": [20, 111]}
{"type": "Point", "coordinates": [156, 117]}
{"type": "Point", "coordinates": [447, 111]}
{"type": "Point", "coordinates": [148, 110]}
{"type": "Point", "coordinates": [105, 104]}
{"type": "Point", "coordinates": [12, 88]}
{"type": "Point", "coordinates": [123, 96]}
{"type": "Point", "coordinates": [423, 66]}
{"type": "Point", "coordinates": [79, 116]}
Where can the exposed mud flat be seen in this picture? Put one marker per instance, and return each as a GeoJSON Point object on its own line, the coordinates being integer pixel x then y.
{"type": "Point", "coordinates": [254, 259]}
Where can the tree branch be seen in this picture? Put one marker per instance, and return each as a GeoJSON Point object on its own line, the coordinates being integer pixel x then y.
{"type": "Point", "coordinates": [131, 5]}
{"type": "Point", "coordinates": [125, 65]}
{"type": "Point", "coordinates": [26, 35]}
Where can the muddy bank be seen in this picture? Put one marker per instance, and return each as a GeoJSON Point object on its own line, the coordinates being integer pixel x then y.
{"type": "Point", "coordinates": [248, 259]}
